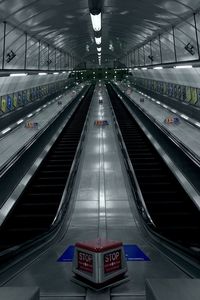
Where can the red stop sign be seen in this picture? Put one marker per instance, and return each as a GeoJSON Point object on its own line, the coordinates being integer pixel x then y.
{"type": "Point", "coordinates": [112, 261]}
{"type": "Point", "coordinates": [85, 261]}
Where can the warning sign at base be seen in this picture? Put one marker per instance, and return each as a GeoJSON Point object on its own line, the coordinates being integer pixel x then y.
{"type": "Point", "coordinates": [85, 262]}
{"type": "Point", "coordinates": [112, 261]}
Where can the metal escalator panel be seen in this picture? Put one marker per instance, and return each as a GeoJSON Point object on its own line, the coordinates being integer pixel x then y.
{"type": "Point", "coordinates": [36, 208]}
{"type": "Point", "coordinates": [171, 209]}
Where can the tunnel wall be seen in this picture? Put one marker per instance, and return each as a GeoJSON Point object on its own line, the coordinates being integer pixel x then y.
{"type": "Point", "coordinates": [181, 84]}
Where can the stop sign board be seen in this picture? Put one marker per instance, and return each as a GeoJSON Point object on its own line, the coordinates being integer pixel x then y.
{"type": "Point", "coordinates": [85, 262]}
{"type": "Point", "coordinates": [112, 261]}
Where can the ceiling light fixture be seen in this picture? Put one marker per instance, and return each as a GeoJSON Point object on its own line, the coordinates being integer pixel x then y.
{"type": "Point", "coordinates": [98, 40]}
{"type": "Point", "coordinates": [18, 74]}
{"type": "Point", "coordinates": [99, 49]}
{"type": "Point", "coordinates": [96, 21]}
{"type": "Point", "coordinates": [183, 67]}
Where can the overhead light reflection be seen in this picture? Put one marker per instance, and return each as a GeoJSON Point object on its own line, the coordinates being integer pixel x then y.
{"type": "Point", "coordinates": [96, 22]}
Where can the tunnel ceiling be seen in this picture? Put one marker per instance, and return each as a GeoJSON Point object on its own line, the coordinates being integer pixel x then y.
{"type": "Point", "coordinates": [66, 24]}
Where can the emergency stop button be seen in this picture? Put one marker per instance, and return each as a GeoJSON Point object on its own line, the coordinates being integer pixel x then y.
{"type": "Point", "coordinates": [99, 263]}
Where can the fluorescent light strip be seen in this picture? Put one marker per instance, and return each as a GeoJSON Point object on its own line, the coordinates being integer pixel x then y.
{"type": "Point", "coordinates": [165, 106]}
{"type": "Point", "coordinates": [98, 40]}
{"type": "Point", "coordinates": [42, 74]}
{"type": "Point", "coordinates": [55, 73]}
{"type": "Point", "coordinates": [174, 111]}
{"type": "Point", "coordinates": [30, 115]}
{"type": "Point", "coordinates": [184, 117]}
{"type": "Point", "coordinates": [158, 68]}
{"type": "Point", "coordinates": [6, 130]}
{"type": "Point", "coordinates": [20, 121]}
{"type": "Point", "coordinates": [18, 74]}
{"type": "Point", "coordinates": [198, 124]}
{"type": "Point", "coordinates": [96, 22]}
{"type": "Point", "coordinates": [183, 67]}
{"type": "Point", "coordinates": [144, 68]}
{"type": "Point", "coordinates": [99, 49]}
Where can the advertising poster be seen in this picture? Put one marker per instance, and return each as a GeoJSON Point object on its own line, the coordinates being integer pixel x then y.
{"type": "Point", "coordinates": [28, 95]}
{"type": "Point", "coordinates": [19, 98]}
{"type": "Point", "coordinates": [31, 95]}
{"type": "Point", "coordinates": [149, 84]}
{"type": "Point", "coordinates": [158, 87]}
{"type": "Point", "coordinates": [179, 95]}
{"type": "Point", "coordinates": [3, 104]}
{"type": "Point", "coordinates": [183, 93]}
{"type": "Point", "coordinates": [40, 91]}
{"type": "Point", "coordinates": [198, 95]}
{"type": "Point", "coordinates": [188, 94]}
{"type": "Point", "coordinates": [175, 91]}
{"type": "Point", "coordinates": [15, 100]}
{"type": "Point", "coordinates": [155, 86]}
{"type": "Point", "coordinates": [170, 90]}
{"type": "Point", "coordinates": [194, 97]}
{"type": "Point", "coordinates": [24, 97]}
{"type": "Point", "coordinates": [164, 88]}
{"type": "Point", "coordinates": [37, 92]}
{"type": "Point", "coordinates": [9, 102]}
{"type": "Point", "coordinates": [152, 85]}
{"type": "Point", "coordinates": [34, 94]}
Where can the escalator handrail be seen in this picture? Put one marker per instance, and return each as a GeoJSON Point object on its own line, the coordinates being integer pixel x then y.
{"type": "Point", "coordinates": [190, 189]}
{"type": "Point", "coordinates": [137, 190]}
{"type": "Point", "coordinates": [55, 225]}
{"type": "Point", "coordinates": [70, 180]}
{"type": "Point", "coordinates": [191, 154]}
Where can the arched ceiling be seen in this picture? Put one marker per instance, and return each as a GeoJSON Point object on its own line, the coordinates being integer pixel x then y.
{"type": "Point", "coordinates": [66, 23]}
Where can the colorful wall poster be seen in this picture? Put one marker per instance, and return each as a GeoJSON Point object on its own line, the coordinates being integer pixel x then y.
{"type": "Point", "coordinates": [175, 91]}
{"type": "Point", "coordinates": [34, 94]}
{"type": "Point", "coordinates": [3, 104]}
{"type": "Point", "coordinates": [28, 93]}
{"type": "Point", "coordinates": [165, 88]}
{"type": "Point", "coordinates": [19, 98]}
{"type": "Point", "coordinates": [9, 102]}
{"type": "Point", "coordinates": [15, 100]}
{"type": "Point", "coordinates": [171, 90]}
{"type": "Point", "coordinates": [194, 97]}
{"type": "Point", "coordinates": [188, 94]}
{"type": "Point", "coordinates": [162, 87]}
{"type": "Point", "coordinates": [198, 95]}
{"type": "Point", "coordinates": [24, 97]}
{"type": "Point", "coordinates": [183, 96]}
{"type": "Point", "coordinates": [179, 95]}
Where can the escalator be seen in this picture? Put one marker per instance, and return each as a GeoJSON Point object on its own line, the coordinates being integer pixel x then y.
{"type": "Point", "coordinates": [174, 214]}
{"type": "Point", "coordinates": [37, 206]}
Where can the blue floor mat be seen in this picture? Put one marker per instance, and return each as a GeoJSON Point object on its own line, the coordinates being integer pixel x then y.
{"type": "Point", "coordinates": [132, 253]}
